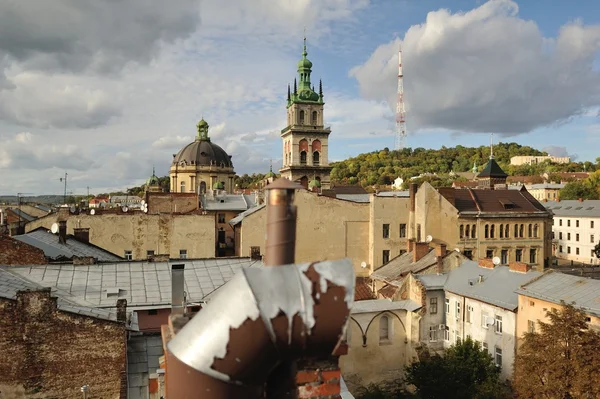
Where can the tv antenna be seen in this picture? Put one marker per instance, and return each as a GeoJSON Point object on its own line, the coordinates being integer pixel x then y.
{"type": "Point", "coordinates": [65, 191]}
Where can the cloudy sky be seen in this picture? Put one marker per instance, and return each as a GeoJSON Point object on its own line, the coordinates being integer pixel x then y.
{"type": "Point", "coordinates": [105, 90]}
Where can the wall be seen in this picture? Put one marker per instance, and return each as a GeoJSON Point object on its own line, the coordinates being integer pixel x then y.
{"type": "Point", "coordinates": [151, 322]}
{"type": "Point", "coordinates": [54, 353]}
{"type": "Point", "coordinates": [437, 216]}
{"type": "Point", "coordinates": [326, 229]}
{"type": "Point", "coordinates": [370, 360]}
{"type": "Point", "coordinates": [392, 211]}
{"type": "Point", "coordinates": [459, 327]}
{"type": "Point", "coordinates": [588, 238]}
{"type": "Point", "coordinates": [14, 252]}
{"type": "Point", "coordinates": [172, 202]}
{"type": "Point", "coordinates": [193, 175]}
{"type": "Point", "coordinates": [138, 232]}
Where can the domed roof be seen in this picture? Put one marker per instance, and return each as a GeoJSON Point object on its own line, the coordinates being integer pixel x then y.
{"type": "Point", "coordinates": [152, 180]}
{"type": "Point", "coordinates": [202, 151]}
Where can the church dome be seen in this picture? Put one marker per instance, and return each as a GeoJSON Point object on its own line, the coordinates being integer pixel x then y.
{"type": "Point", "coordinates": [203, 152]}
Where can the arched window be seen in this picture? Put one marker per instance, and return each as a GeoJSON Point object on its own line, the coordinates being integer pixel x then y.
{"type": "Point", "coordinates": [182, 187]}
{"type": "Point", "coordinates": [303, 158]}
{"type": "Point", "coordinates": [521, 231]}
{"type": "Point", "coordinates": [473, 231]}
{"type": "Point", "coordinates": [530, 230]}
{"type": "Point", "coordinates": [492, 230]}
{"type": "Point", "coordinates": [487, 231]}
{"type": "Point", "coordinates": [384, 328]}
{"type": "Point", "coordinates": [461, 231]}
{"type": "Point", "coordinates": [302, 117]}
{"type": "Point", "coordinates": [506, 231]}
{"type": "Point", "coordinates": [316, 158]}
{"type": "Point", "coordinates": [501, 231]}
{"type": "Point", "coordinates": [314, 118]}
{"type": "Point", "coordinates": [516, 230]}
{"type": "Point", "coordinates": [535, 230]}
{"type": "Point", "coordinates": [468, 231]}
{"type": "Point", "coordinates": [202, 187]}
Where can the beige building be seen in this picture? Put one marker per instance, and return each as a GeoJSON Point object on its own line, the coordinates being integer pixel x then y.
{"type": "Point", "coordinates": [137, 235]}
{"type": "Point", "coordinates": [305, 139]}
{"type": "Point", "coordinates": [534, 160]}
{"type": "Point", "coordinates": [201, 166]}
{"type": "Point", "coordinates": [545, 191]}
{"type": "Point", "coordinates": [369, 233]}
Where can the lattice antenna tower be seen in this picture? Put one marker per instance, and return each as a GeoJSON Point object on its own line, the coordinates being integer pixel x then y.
{"type": "Point", "coordinates": [400, 110]}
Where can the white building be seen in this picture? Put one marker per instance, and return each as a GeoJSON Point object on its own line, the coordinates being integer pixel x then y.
{"type": "Point", "coordinates": [576, 229]}
{"type": "Point", "coordinates": [481, 303]}
{"type": "Point", "coordinates": [534, 160]}
{"type": "Point", "coordinates": [397, 184]}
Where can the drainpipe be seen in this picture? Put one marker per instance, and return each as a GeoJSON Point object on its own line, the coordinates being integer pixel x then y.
{"type": "Point", "coordinates": [262, 320]}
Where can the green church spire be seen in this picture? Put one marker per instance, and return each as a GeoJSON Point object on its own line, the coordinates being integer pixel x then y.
{"type": "Point", "coordinates": [202, 128]}
{"type": "Point", "coordinates": [305, 92]}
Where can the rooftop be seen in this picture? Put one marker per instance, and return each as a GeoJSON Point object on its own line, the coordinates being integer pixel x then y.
{"type": "Point", "coordinates": [497, 286]}
{"type": "Point", "coordinates": [239, 218]}
{"type": "Point", "coordinates": [432, 281]}
{"type": "Point", "coordinates": [586, 208]}
{"type": "Point", "coordinates": [494, 201]}
{"type": "Point", "coordinates": [143, 353]}
{"type": "Point", "coordinates": [380, 305]}
{"type": "Point", "coordinates": [556, 287]}
{"type": "Point", "coordinates": [228, 202]}
{"type": "Point", "coordinates": [545, 186]}
{"type": "Point", "coordinates": [492, 169]}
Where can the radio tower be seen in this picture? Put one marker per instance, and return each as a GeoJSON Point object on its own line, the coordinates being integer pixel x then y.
{"type": "Point", "coordinates": [400, 111]}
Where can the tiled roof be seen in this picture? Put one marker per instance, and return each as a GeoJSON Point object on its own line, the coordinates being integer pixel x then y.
{"type": "Point", "coordinates": [380, 305]}
{"type": "Point", "coordinates": [10, 283]}
{"type": "Point", "coordinates": [492, 169]}
{"type": "Point", "coordinates": [586, 208]}
{"type": "Point", "coordinates": [496, 201]}
{"type": "Point", "coordinates": [497, 287]}
{"type": "Point", "coordinates": [48, 242]}
{"type": "Point", "coordinates": [556, 287]}
{"type": "Point", "coordinates": [143, 353]}
{"type": "Point", "coordinates": [145, 285]}
{"type": "Point", "coordinates": [362, 290]}
{"type": "Point", "coordinates": [388, 291]}
{"type": "Point", "coordinates": [241, 216]}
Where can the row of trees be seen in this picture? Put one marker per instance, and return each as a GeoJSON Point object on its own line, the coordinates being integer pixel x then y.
{"type": "Point", "coordinates": [560, 360]}
{"type": "Point", "coordinates": [585, 189]}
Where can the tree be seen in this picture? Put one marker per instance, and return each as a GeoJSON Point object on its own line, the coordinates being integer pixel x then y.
{"type": "Point", "coordinates": [597, 250]}
{"type": "Point", "coordinates": [561, 360]}
{"type": "Point", "coordinates": [464, 372]}
{"type": "Point", "coordinates": [578, 189]}
{"type": "Point", "coordinates": [390, 391]}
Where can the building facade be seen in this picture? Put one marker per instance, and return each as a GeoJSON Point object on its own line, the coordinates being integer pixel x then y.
{"type": "Point", "coordinates": [201, 166]}
{"type": "Point", "coordinates": [575, 229]}
{"type": "Point", "coordinates": [535, 159]}
{"type": "Point", "coordinates": [305, 139]}
{"type": "Point", "coordinates": [545, 191]}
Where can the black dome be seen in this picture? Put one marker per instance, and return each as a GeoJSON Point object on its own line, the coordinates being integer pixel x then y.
{"type": "Point", "coordinates": [203, 152]}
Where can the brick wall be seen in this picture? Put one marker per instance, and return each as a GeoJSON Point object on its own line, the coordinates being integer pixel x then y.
{"type": "Point", "coordinates": [172, 202]}
{"type": "Point", "coordinates": [53, 353]}
{"type": "Point", "coordinates": [14, 252]}
{"type": "Point", "coordinates": [318, 378]}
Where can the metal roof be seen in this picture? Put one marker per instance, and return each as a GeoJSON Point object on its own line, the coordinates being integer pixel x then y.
{"type": "Point", "coordinates": [241, 216]}
{"type": "Point", "coordinates": [556, 287]}
{"type": "Point", "coordinates": [25, 216]}
{"type": "Point", "coordinates": [381, 305]}
{"type": "Point", "coordinates": [497, 287]}
{"type": "Point", "coordinates": [585, 208]}
{"type": "Point", "coordinates": [143, 353]}
{"type": "Point", "coordinates": [48, 242]}
{"type": "Point", "coordinates": [10, 283]}
{"type": "Point", "coordinates": [404, 264]}
{"type": "Point", "coordinates": [143, 284]}
{"type": "Point", "coordinates": [546, 186]}
{"type": "Point", "coordinates": [432, 281]}
{"type": "Point", "coordinates": [402, 194]}
{"type": "Point", "coordinates": [362, 198]}
{"type": "Point", "coordinates": [228, 202]}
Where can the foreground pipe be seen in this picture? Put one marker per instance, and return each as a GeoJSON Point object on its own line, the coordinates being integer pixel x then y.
{"type": "Point", "coordinates": [262, 318]}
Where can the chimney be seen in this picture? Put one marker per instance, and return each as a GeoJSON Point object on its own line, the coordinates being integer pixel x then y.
{"type": "Point", "coordinates": [486, 262]}
{"type": "Point", "coordinates": [412, 193]}
{"type": "Point", "coordinates": [410, 245]}
{"type": "Point", "coordinates": [122, 310]}
{"type": "Point", "coordinates": [519, 267]}
{"type": "Point", "coordinates": [420, 249]}
{"type": "Point", "coordinates": [440, 250]}
{"type": "Point", "coordinates": [177, 289]}
{"type": "Point", "coordinates": [82, 234]}
{"type": "Point", "coordinates": [62, 232]}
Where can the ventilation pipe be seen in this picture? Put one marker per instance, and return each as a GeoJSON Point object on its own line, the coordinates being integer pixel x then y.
{"type": "Point", "coordinates": [244, 343]}
{"type": "Point", "coordinates": [177, 289]}
{"type": "Point", "coordinates": [62, 232]}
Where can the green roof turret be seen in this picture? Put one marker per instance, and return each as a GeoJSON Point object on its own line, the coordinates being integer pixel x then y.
{"type": "Point", "coordinates": [202, 128]}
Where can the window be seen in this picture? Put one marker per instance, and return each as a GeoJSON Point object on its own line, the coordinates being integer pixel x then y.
{"type": "Point", "coordinates": [433, 333]}
{"type": "Point", "coordinates": [516, 230]}
{"type": "Point", "coordinates": [486, 233]}
{"type": "Point", "coordinates": [521, 231]}
{"type": "Point", "coordinates": [467, 231]}
{"type": "Point", "coordinates": [386, 231]}
{"type": "Point", "coordinates": [506, 230]}
{"type": "Point", "coordinates": [128, 254]}
{"type": "Point", "coordinates": [519, 255]}
{"type": "Point", "coordinates": [314, 118]}
{"type": "Point", "coordinates": [152, 312]}
{"type": "Point", "coordinates": [568, 222]}
{"type": "Point", "coordinates": [535, 231]}
{"type": "Point", "coordinates": [560, 222]}
{"type": "Point", "coordinates": [492, 230]}
{"type": "Point", "coordinates": [461, 231]}
{"type": "Point", "coordinates": [504, 256]}
{"type": "Point", "coordinates": [489, 253]}
{"type": "Point", "coordinates": [473, 231]}
{"type": "Point", "coordinates": [302, 117]}
{"type": "Point", "coordinates": [569, 236]}
{"type": "Point", "coordinates": [149, 253]}
{"type": "Point", "coordinates": [532, 255]}
{"type": "Point", "coordinates": [447, 306]}
{"type": "Point", "coordinates": [433, 305]}
{"type": "Point", "coordinates": [182, 185]}
{"type": "Point", "coordinates": [221, 217]}
{"type": "Point", "coordinates": [183, 254]}
{"type": "Point", "coordinates": [577, 237]}
{"type": "Point", "coordinates": [384, 328]}
{"type": "Point", "coordinates": [403, 230]}
{"type": "Point", "coordinates": [456, 337]}
{"type": "Point", "coordinates": [591, 224]}
{"type": "Point", "coordinates": [577, 251]}
{"type": "Point", "coordinates": [316, 158]}
{"type": "Point", "coordinates": [568, 250]}
{"type": "Point", "coordinates": [303, 157]}
{"type": "Point", "coordinates": [457, 310]}
{"type": "Point", "coordinates": [577, 223]}
{"type": "Point", "coordinates": [468, 253]}
{"type": "Point", "coordinates": [447, 334]}
{"type": "Point", "coordinates": [498, 324]}
{"type": "Point", "coordinates": [560, 248]}
{"type": "Point", "coordinates": [501, 231]}
{"type": "Point", "coordinates": [530, 326]}
{"type": "Point", "coordinates": [386, 256]}
{"type": "Point", "coordinates": [531, 303]}
{"type": "Point", "coordinates": [592, 238]}
{"type": "Point", "coordinates": [530, 230]}
{"type": "Point", "coordinates": [560, 235]}
{"type": "Point", "coordinates": [469, 314]}
{"type": "Point", "coordinates": [498, 357]}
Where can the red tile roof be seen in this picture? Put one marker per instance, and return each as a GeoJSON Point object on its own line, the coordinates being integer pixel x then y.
{"type": "Point", "coordinates": [362, 289]}
{"type": "Point", "coordinates": [525, 179]}
{"type": "Point", "coordinates": [473, 200]}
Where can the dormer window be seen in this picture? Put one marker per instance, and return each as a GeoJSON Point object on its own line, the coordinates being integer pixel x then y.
{"type": "Point", "coordinates": [507, 204]}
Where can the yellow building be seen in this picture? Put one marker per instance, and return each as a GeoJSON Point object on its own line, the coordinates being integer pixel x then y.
{"type": "Point", "coordinates": [201, 166]}
{"type": "Point", "coordinates": [546, 293]}
{"type": "Point", "coordinates": [545, 191]}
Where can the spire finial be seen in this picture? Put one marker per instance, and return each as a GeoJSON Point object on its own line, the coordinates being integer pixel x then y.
{"type": "Point", "coordinates": [304, 53]}
{"type": "Point", "coordinates": [289, 95]}
{"type": "Point", "coordinates": [320, 88]}
{"type": "Point", "coordinates": [271, 165]}
{"type": "Point", "coordinates": [153, 171]}
{"type": "Point", "coordinates": [492, 146]}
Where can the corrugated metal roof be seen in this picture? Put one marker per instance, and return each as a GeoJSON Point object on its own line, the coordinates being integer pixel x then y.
{"type": "Point", "coordinates": [556, 287]}
{"type": "Point", "coordinates": [143, 284]}
{"type": "Point", "coordinates": [432, 281]}
{"type": "Point", "coordinates": [585, 208]}
{"type": "Point", "coordinates": [242, 215]}
{"type": "Point", "coordinates": [497, 287]}
{"type": "Point", "coordinates": [380, 305]}
{"type": "Point", "coordinates": [48, 242]}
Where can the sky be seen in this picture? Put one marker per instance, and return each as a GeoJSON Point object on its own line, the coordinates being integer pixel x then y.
{"type": "Point", "coordinates": [107, 90]}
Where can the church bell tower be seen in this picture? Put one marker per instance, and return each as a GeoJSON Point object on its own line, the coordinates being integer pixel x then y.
{"type": "Point", "coordinates": [305, 139]}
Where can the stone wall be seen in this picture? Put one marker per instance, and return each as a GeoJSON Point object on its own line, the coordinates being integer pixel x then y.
{"type": "Point", "coordinates": [14, 252]}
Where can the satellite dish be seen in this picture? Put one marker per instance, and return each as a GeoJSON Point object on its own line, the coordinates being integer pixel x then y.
{"type": "Point", "coordinates": [124, 209]}
{"type": "Point", "coordinates": [457, 250]}
{"type": "Point", "coordinates": [142, 203]}
{"type": "Point", "coordinates": [496, 260]}
{"type": "Point", "coordinates": [363, 264]}
{"type": "Point", "coordinates": [54, 228]}
{"type": "Point", "coordinates": [93, 212]}
{"type": "Point", "coordinates": [145, 210]}
{"type": "Point", "coordinates": [429, 238]}
{"type": "Point", "coordinates": [72, 209]}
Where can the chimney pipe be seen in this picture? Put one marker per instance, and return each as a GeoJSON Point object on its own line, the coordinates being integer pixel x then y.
{"type": "Point", "coordinates": [62, 232]}
{"type": "Point", "coordinates": [177, 289]}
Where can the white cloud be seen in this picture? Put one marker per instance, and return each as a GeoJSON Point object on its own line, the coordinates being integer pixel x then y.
{"type": "Point", "coordinates": [171, 142]}
{"type": "Point", "coordinates": [486, 70]}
